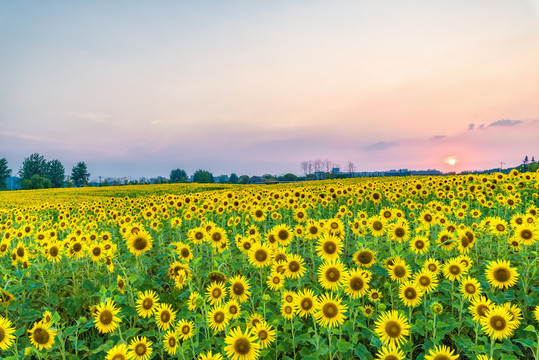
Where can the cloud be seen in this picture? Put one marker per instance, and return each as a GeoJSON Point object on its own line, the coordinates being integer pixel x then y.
{"type": "Point", "coordinates": [382, 145]}
{"type": "Point", "coordinates": [439, 137]}
{"type": "Point", "coordinates": [97, 117]}
{"type": "Point", "coordinates": [505, 123]}
{"type": "Point", "coordinates": [471, 126]}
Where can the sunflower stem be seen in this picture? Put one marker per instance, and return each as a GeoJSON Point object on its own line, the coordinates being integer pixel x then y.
{"type": "Point", "coordinates": [492, 346]}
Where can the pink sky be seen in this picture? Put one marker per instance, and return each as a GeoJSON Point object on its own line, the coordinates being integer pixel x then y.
{"type": "Point", "coordinates": [137, 89]}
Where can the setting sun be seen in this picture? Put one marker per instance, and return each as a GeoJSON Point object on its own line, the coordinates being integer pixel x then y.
{"type": "Point", "coordinates": [451, 161]}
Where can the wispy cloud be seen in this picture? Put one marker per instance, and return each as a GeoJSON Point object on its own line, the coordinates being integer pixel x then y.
{"type": "Point", "coordinates": [26, 136]}
{"type": "Point", "coordinates": [471, 126]}
{"type": "Point", "coordinates": [92, 116]}
{"type": "Point", "coordinates": [382, 145]}
{"type": "Point", "coordinates": [505, 123]}
{"type": "Point", "coordinates": [439, 137]}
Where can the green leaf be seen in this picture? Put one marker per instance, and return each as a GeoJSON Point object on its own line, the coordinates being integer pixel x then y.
{"type": "Point", "coordinates": [530, 328]}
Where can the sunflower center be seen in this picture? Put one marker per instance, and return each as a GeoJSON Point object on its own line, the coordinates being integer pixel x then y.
{"type": "Point", "coordinates": [172, 341]}
{"type": "Point", "coordinates": [283, 235]}
{"type": "Point", "coordinates": [501, 275]}
{"type": "Point", "coordinates": [233, 309]}
{"type": "Point", "coordinates": [391, 357]}
{"type": "Point", "coordinates": [242, 346]}
{"type": "Point", "coordinates": [410, 294]}
{"type": "Point", "coordinates": [259, 213]}
{"type": "Point", "coordinates": [500, 227]}
{"type": "Point", "coordinates": [428, 217]}
{"type": "Point", "coordinates": [424, 281]}
{"type": "Point", "coordinates": [377, 225]}
{"type": "Point", "coordinates": [77, 247]}
{"type": "Point", "coordinates": [41, 336]}
{"type": "Point", "coordinates": [442, 357]}
{"type": "Point", "coordinates": [186, 329]}
{"type": "Point", "coordinates": [3, 247]}
{"type": "Point", "coordinates": [399, 271]}
{"type": "Point", "coordinates": [432, 267]}
{"type": "Point", "coordinates": [482, 310]}
{"type": "Point", "coordinates": [261, 255]}
{"type": "Point", "coordinates": [140, 243]}
{"type": "Point", "coordinates": [147, 304]}
{"type": "Point", "coordinates": [364, 257]}
{"type": "Point", "coordinates": [185, 252]}
{"type": "Point", "coordinates": [276, 280]}
{"type": "Point", "coordinates": [526, 234]}
{"type": "Point", "coordinates": [20, 252]}
{"type": "Point", "coordinates": [140, 349]}
{"type": "Point", "coordinates": [199, 235]}
{"type": "Point", "coordinates": [420, 244]}
{"type": "Point", "coordinates": [118, 357]}
{"type": "Point", "coordinates": [393, 329]}
{"type": "Point", "coordinates": [165, 317]}
{"type": "Point", "coordinates": [53, 251]}
{"type": "Point", "coordinates": [454, 269]}
{"type": "Point", "coordinates": [263, 334]}
{"type": "Point", "coordinates": [470, 288]}
{"type": "Point", "coordinates": [330, 310]}
{"type": "Point", "coordinates": [333, 274]}
{"type": "Point", "coordinates": [313, 230]}
{"type": "Point", "coordinates": [356, 283]}
{"type": "Point", "coordinates": [330, 247]}
{"type": "Point", "coordinates": [293, 266]}
{"type": "Point", "coordinates": [374, 295]}
{"type": "Point", "coordinates": [2, 335]}
{"type": "Point", "coordinates": [387, 214]}
{"type": "Point", "coordinates": [306, 304]}
{"type": "Point", "coordinates": [105, 317]}
{"type": "Point", "coordinates": [219, 317]}
{"type": "Point", "coordinates": [247, 245]}
{"type": "Point", "coordinates": [216, 293]}
{"type": "Point", "coordinates": [498, 323]}
{"type": "Point", "coordinates": [399, 232]}
{"type": "Point", "coordinates": [238, 289]}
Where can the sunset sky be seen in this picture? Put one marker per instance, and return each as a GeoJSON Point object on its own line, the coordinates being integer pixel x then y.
{"type": "Point", "coordinates": [138, 88]}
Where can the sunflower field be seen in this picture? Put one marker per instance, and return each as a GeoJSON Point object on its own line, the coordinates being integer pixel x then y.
{"type": "Point", "coordinates": [435, 268]}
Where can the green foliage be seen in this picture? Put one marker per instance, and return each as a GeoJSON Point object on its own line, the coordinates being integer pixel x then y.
{"type": "Point", "coordinates": [233, 179]}
{"type": "Point", "coordinates": [36, 182]}
{"type": "Point", "coordinates": [203, 177]}
{"type": "Point", "coordinates": [35, 164]}
{"type": "Point", "coordinates": [243, 179]}
{"type": "Point", "coordinates": [56, 173]}
{"type": "Point", "coordinates": [289, 177]}
{"type": "Point", "coordinates": [80, 174]}
{"type": "Point", "coordinates": [178, 176]}
{"type": "Point", "coordinates": [5, 172]}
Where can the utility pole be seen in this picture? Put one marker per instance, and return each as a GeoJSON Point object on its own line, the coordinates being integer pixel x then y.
{"type": "Point", "coordinates": [501, 165]}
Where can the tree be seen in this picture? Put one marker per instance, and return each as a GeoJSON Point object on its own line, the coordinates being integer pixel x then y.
{"type": "Point", "coordinates": [243, 179]}
{"type": "Point", "coordinates": [233, 178]}
{"type": "Point", "coordinates": [36, 182]}
{"type": "Point", "coordinates": [5, 172]}
{"type": "Point", "coordinates": [305, 167]}
{"type": "Point", "coordinates": [351, 168]}
{"type": "Point", "coordinates": [80, 174]}
{"type": "Point", "coordinates": [178, 176]}
{"type": "Point", "coordinates": [56, 173]}
{"type": "Point", "coordinates": [35, 164]}
{"type": "Point", "coordinates": [290, 177]}
{"type": "Point", "coordinates": [203, 177]}
{"type": "Point", "coordinates": [525, 160]}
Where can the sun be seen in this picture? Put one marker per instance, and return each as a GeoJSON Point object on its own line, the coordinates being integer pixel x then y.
{"type": "Point", "coordinates": [451, 160]}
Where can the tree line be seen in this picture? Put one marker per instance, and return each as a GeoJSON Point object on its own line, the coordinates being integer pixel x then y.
{"type": "Point", "coordinates": [38, 173]}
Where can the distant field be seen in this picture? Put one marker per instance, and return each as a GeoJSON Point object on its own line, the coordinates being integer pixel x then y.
{"type": "Point", "coordinates": [372, 268]}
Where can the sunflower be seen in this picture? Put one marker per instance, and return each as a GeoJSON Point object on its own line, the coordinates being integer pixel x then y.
{"type": "Point", "coordinates": [374, 295]}
{"type": "Point", "coordinates": [432, 265]}
{"type": "Point", "coordinates": [365, 257]}
{"type": "Point", "coordinates": [497, 323]}
{"type": "Point", "coordinates": [233, 309]}
{"type": "Point", "coordinates": [294, 267]}
{"type": "Point", "coordinates": [329, 247]}
{"type": "Point", "coordinates": [183, 251]}
{"type": "Point", "coordinates": [120, 284]}
{"type": "Point", "coordinates": [265, 334]}
{"type": "Point", "coordinates": [390, 352]}
{"type": "Point", "coordinates": [536, 313]}
{"type": "Point", "coordinates": [253, 320]}
{"type": "Point", "coordinates": [331, 275]}
{"type": "Point", "coordinates": [77, 249]}
{"type": "Point", "coordinates": [139, 242]}
{"type": "Point", "coordinates": [356, 284]}
{"type": "Point", "coordinates": [441, 352]}
{"type": "Point", "coordinates": [105, 317]}
{"type": "Point", "coordinates": [500, 274]}
{"type": "Point", "coordinates": [275, 281]}
{"type": "Point", "coordinates": [118, 352]}
{"type": "Point", "coordinates": [305, 303]}
{"type": "Point", "coordinates": [410, 294]}
{"type": "Point", "coordinates": [399, 231]}
{"type": "Point", "coordinates": [330, 311]}
{"type": "Point", "coordinates": [480, 307]}
{"type": "Point", "coordinates": [170, 342]}
{"type": "Point", "coordinates": [6, 331]}
{"type": "Point", "coordinates": [527, 233]}
{"type": "Point", "coordinates": [147, 302]}
{"type": "Point", "coordinates": [454, 270]}
{"type": "Point", "coordinates": [464, 242]}
{"type": "Point", "coordinates": [140, 348]}
{"type": "Point", "coordinates": [96, 252]}
{"type": "Point", "coordinates": [164, 316]}
{"type": "Point", "coordinates": [420, 244]}
{"type": "Point", "coordinates": [470, 288]}
{"type": "Point", "coordinates": [288, 310]}
{"type": "Point", "coordinates": [216, 292]}
{"type": "Point", "coordinates": [42, 336]}
{"type": "Point", "coordinates": [399, 271]}
{"type": "Point", "coordinates": [217, 318]}
{"type": "Point", "coordinates": [368, 311]}
{"type": "Point", "coordinates": [210, 356]}
{"type": "Point", "coordinates": [239, 288]}
{"type": "Point", "coordinates": [312, 230]}
{"type": "Point", "coordinates": [514, 311]}
{"type": "Point", "coordinates": [242, 346]}
{"type": "Point", "coordinates": [258, 214]}
{"type": "Point", "coordinates": [54, 252]}
{"type": "Point", "coordinates": [426, 281]}
{"type": "Point", "coordinates": [260, 255]}
{"type": "Point", "coordinates": [185, 329]}
{"type": "Point", "coordinates": [376, 225]}
{"type": "Point", "coordinates": [392, 328]}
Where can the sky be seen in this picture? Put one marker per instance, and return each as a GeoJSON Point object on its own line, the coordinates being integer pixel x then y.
{"type": "Point", "coordinates": [138, 88]}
